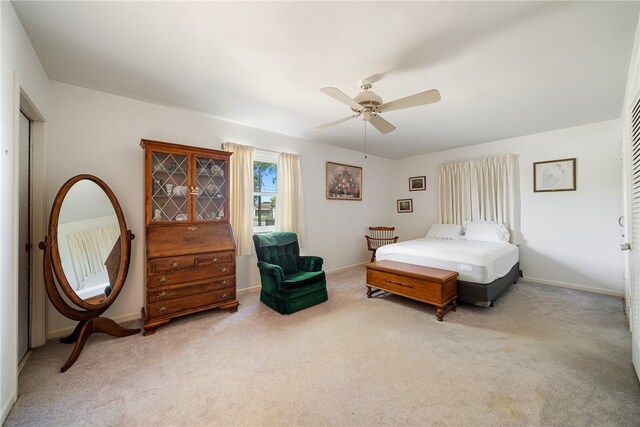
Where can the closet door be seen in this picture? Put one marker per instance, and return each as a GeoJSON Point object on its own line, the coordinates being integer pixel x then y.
{"type": "Point", "coordinates": [633, 296]}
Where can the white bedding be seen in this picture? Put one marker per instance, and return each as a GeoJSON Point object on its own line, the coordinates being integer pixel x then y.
{"type": "Point", "coordinates": [478, 262]}
{"type": "Point", "coordinates": [94, 285]}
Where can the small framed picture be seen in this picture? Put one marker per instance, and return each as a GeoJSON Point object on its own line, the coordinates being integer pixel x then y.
{"type": "Point", "coordinates": [417, 183]}
{"type": "Point", "coordinates": [554, 175]}
{"type": "Point", "coordinates": [405, 205]}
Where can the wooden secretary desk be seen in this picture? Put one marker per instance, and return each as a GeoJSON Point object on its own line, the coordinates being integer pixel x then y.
{"type": "Point", "coordinates": [190, 249]}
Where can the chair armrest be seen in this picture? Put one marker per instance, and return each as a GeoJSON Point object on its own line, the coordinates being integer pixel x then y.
{"type": "Point", "coordinates": [271, 270]}
{"type": "Point", "coordinates": [310, 263]}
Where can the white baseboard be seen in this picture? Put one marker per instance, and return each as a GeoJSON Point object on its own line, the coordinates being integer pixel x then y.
{"type": "Point", "coordinates": [6, 407]}
{"type": "Point", "coordinates": [635, 356]}
{"type": "Point", "coordinates": [574, 286]}
{"type": "Point", "coordinates": [24, 361]}
{"type": "Point", "coordinates": [335, 270]}
{"type": "Point", "coordinates": [123, 318]}
{"type": "Point", "coordinates": [66, 331]}
{"type": "Point", "coordinates": [253, 288]}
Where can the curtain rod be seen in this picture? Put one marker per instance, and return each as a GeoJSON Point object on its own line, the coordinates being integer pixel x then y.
{"type": "Point", "coordinates": [269, 151]}
{"type": "Point", "coordinates": [261, 149]}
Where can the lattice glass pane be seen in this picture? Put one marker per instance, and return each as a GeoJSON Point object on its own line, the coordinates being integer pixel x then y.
{"type": "Point", "coordinates": [210, 183]}
{"type": "Point", "coordinates": [170, 189]}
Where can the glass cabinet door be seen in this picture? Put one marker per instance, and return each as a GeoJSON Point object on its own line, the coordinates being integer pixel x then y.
{"type": "Point", "coordinates": [210, 189]}
{"type": "Point", "coordinates": [170, 190]}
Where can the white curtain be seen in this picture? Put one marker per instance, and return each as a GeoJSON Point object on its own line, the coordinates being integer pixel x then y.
{"type": "Point", "coordinates": [241, 197]}
{"type": "Point", "coordinates": [289, 196]}
{"type": "Point", "coordinates": [90, 248]}
{"type": "Point", "coordinates": [481, 190]}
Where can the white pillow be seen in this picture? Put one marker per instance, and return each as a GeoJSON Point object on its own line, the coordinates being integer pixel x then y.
{"type": "Point", "coordinates": [445, 231]}
{"type": "Point", "coordinates": [486, 232]}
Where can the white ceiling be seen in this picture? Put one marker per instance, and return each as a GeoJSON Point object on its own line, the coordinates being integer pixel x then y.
{"type": "Point", "coordinates": [504, 69]}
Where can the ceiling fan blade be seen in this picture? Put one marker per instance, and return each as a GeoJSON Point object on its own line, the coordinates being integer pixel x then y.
{"type": "Point", "coordinates": [381, 124]}
{"type": "Point", "coordinates": [326, 125]}
{"type": "Point", "coordinates": [422, 98]}
{"type": "Point", "coordinates": [338, 95]}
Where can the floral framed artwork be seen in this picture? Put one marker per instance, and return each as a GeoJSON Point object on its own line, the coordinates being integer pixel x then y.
{"type": "Point", "coordinates": [417, 183]}
{"type": "Point", "coordinates": [344, 182]}
{"type": "Point", "coordinates": [405, 205]}
{"type": "Point", "coordinates": [554, 175]}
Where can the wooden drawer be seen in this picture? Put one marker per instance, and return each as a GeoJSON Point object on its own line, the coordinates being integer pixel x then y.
{"type": "Point", "coordinates": [177, 291]}
{"type": "Point", "coordinates": [420, 289]}
{"type": "Point", "coordinates": [168, 264]}
{"type": "Point", "coordinates": [189, 303]}
{"type": "Point", "coordinates": [183, 276]}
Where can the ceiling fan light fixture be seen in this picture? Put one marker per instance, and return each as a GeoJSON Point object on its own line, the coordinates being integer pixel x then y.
{"type": "Point", "coordinates": [368, 99]}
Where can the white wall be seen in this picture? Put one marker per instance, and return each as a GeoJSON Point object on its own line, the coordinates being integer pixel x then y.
{"type": "Point", "coordinates": [569, 238]}
{"type": "Point", "coordinates": [97, 133]}
{"type": "Point", "coordinates": [19, 57]}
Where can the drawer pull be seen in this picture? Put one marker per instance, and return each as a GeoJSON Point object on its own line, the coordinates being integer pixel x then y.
{"type": "Point", "coordinates": [162, 279]}
{"type": "Point", "coordinates": [162, 310]}
{"type": "Point", "coordinates": [399, 283]}
{"type": "Point", "coordinates": [175, 264]}
{"type": "Point", "coordinates": [192, 228]}
{"type": "Point", "coordinates": [224, 269]}
{"type": "Point", "coordinates": [162, 294]}
{"type": "Point", "coordinates": [225, 295]}
{"type": "Point", "coordinates": [215, 260]}
{"type": "Point", "coordinates": [224, 283]}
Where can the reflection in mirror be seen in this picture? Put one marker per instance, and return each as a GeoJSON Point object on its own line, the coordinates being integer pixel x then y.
{"type": "Point", "coordinates": [88, 232]}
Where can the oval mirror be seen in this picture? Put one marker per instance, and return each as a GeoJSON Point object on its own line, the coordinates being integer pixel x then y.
{"type": "Point", "coordinates": [88, 251]}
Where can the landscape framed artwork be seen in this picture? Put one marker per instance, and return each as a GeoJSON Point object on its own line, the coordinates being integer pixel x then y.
{"type": "Point", "coordinates": [405, 205]}
{"type": "Point", "coordinates": [344, 182]}
{"type": "Point", "coordinates": [417, 183]}
{"type": "Point", "coordinates": [554, 175]}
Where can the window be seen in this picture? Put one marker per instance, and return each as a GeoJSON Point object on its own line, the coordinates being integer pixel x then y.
{"type": "Point", "coordinates": [265, 172]}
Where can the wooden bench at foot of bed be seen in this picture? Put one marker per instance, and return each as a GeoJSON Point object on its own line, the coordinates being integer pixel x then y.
{"type": "Point", "coordinates": [431, 285]}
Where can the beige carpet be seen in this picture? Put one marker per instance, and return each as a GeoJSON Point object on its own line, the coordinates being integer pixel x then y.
{"type": "Point", "coordinates": [541, 356]}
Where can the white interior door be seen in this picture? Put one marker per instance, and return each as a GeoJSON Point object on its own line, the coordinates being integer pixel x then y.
{"type": "Point", "coordinates": [24, 218]}
{"type": "Point", "coordinates": [633, 296]}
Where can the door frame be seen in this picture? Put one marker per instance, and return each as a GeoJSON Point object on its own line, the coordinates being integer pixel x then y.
{"type": "Point", "coordinates": [627, 186]}
{"type": "Point", "coordinates": [38, 301]}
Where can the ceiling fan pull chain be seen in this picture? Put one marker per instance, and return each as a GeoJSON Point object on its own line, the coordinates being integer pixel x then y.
{"type": "Point", "coordinates": [365, 138]}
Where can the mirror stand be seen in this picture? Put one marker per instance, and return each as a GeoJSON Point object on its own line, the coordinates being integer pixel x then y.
{"type": "Point", "coordinates": [90, 321]}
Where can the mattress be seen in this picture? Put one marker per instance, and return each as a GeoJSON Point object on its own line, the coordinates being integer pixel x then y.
{"type": "Point", "coordinates": [478, 262]}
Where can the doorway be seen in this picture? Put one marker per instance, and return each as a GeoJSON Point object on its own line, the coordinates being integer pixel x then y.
{"type": "Point", "coordinates": [25, 231]}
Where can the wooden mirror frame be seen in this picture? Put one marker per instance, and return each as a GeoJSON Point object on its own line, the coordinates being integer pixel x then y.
{"type": "Point", "coordinates": [89, 314]}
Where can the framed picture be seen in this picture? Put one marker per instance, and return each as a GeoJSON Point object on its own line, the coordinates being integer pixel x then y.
{"type": "Point", "coordinates": [405, 205]}
{"type": "Point", "coordinates": [344, 182]}
{"type": "Point", "coordinates": [554, 175]}
{"type": "Point", "coordinates": [417, 183]}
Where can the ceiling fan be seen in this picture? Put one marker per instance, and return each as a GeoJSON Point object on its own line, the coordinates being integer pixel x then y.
{"type": "Point", "coordinates": [369, 105]}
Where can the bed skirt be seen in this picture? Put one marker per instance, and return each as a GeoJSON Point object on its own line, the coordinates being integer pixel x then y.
{"type": "Point", "coordinates": [485, 295]}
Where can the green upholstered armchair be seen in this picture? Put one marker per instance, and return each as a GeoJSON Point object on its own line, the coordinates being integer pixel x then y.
{"type": "Point", "coordinates": [290, 282]}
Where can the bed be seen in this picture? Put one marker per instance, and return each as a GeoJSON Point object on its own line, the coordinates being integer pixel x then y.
{"type": "Point", "coordinates": [485, 268]}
